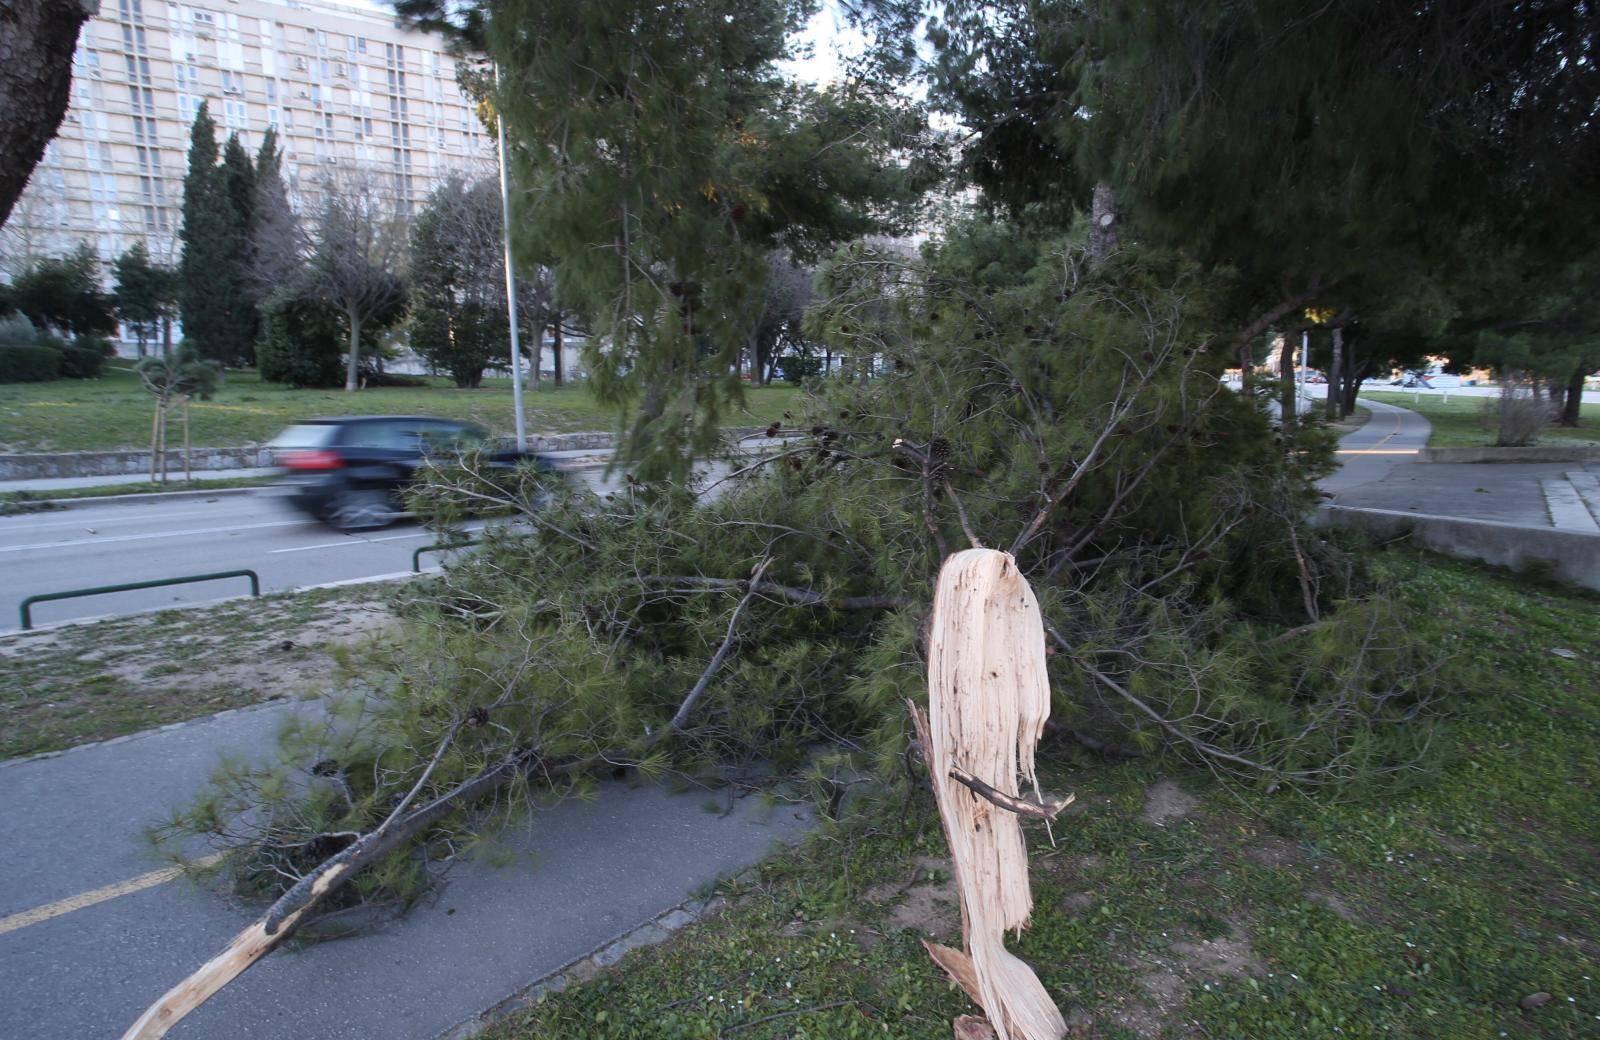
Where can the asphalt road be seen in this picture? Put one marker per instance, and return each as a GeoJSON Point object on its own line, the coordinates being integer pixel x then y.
{"type": "Point", "coordinates": [72, 824]}
{"type": "Point", "coordinates": [93, 545]}
{"type": "Point", "coordinates": [113, 543]}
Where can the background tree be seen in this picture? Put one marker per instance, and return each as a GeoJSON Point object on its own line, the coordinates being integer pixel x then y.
{"type": "Point", "coordinates": [63, 294]}
{"type": "Point", "coordinates": [37, 39]}
{"type": "Point", "coordinates": [212, 293]}
{"type": "Point", "coordinates": [277, 244]}
{"type": "Point", "coordinates": [302, 340]}
{"type": "Point", "coordinates": [1352, 158]}
{"type": "Point", "coordinates": [239, 183]}
{"type": "Point", "coordinates": [146, 293]}
{"type": "Point", "coordinates": [459, 318]}
{"type": "Point", "coordinates": [780, 327]}
{"type": "Point", "coordinates": [358, 245]}
{"type": "Point", "coordinates": [660, 157]}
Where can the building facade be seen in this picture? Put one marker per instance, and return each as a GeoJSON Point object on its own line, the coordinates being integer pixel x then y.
{"type": "Point", "coordinates": [344, 86]}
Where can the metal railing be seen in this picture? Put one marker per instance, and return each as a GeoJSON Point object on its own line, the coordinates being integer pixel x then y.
{"type": "Point", "coordinates": [189, 579]}
{"type": "Point", "coordinates": [416, 557]}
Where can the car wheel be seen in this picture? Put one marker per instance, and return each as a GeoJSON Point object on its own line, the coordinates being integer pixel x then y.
{"type": "Point", "coordinates": [361, 509]}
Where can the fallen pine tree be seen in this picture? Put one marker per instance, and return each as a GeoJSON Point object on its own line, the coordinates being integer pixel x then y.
{"type": "Point", "coordinates": [1075, 420]}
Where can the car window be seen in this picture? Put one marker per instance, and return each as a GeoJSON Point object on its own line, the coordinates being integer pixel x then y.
{"type": "Point", "coordinates": [392, 435]}
{"type": "Point", "coordinates": [305, 436]}
{"type": "Point", "coordinates": [449, 437]}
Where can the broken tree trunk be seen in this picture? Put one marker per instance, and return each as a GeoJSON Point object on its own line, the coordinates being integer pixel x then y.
{"type": "Point", "coordinates": [988, 698]}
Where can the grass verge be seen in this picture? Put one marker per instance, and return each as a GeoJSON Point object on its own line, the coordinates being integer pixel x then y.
{"type": "Point", "coordinates": [1460, 421]}
{"type": "Point", "coordinates": [1463, 904]}
{"type": "Point", "coordinates": [92, 681]}
{"type": "Point", "coordinates": [113, 411]}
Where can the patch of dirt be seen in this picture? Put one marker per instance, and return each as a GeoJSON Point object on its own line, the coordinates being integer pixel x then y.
{"type": "Point", "coordinates": [1166, 976]}
{"type": "Point", "coordinates": [1270, 851]}
{"type": "Point", "coordinates": [290, 662]}
{"type": "Point", "coordinates": [1165, 802]}
{"type": "Point", "coordinates": [928, 906]}
{"type": "Point", "coordinates": [1335, 902]}
{"type": "Point", "coordinates": [1076, 902]}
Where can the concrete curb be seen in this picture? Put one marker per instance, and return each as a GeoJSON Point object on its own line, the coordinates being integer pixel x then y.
{"type": "Point", "coordinates": [1553, 453]}
{"type": "Point", "coordinates": [583, 968]}
{"type": "Point", "coordinates": [274, 702]}
{"type": "Point", "coordinates": [139, 497]}
{"type": "Point", "coordinates": [1568, 556]}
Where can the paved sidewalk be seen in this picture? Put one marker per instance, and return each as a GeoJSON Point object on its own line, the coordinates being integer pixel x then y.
{"type": "Point", "coordinates": [1379, 470]}
{"type": "Point", "coordinates": [586, 874]}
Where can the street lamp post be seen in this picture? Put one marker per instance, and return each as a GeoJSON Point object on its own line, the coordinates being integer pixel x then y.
{"type": "Point", "coordinates": [511, 279]}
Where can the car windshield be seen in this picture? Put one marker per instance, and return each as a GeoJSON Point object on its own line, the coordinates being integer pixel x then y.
{"type": "Point", "coordinates": [305, 435]}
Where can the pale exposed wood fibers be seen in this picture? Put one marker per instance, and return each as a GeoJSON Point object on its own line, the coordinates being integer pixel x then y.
{"type": "Point", "coordinates": [988, 698]}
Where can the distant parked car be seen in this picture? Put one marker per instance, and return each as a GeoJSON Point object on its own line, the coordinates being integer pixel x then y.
{"type": "Point", "coordinates": [352, 472]}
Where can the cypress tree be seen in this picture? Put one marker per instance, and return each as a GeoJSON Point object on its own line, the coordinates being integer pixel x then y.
{"type": "Point", "coordinates": [239, 184]}
{"type": "Point", "coordinates": [209, 271]}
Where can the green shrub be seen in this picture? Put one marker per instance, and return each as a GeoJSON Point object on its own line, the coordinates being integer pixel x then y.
{"type": "Point", "coordinates": [81, 360]}
{"type": "Point", "coordinates": [29, 363]}
{"type": "Point", "coordinates": [17, 331]}
{"type": "Point", "coordinates": [301, 343]}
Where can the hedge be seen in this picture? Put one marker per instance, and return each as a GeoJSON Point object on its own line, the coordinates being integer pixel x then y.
{"type": "Point", "coordinates": [30, 364]}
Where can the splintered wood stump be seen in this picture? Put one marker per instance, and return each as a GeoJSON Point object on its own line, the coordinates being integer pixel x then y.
{"type": "Point", "coordinates": [988, 698]}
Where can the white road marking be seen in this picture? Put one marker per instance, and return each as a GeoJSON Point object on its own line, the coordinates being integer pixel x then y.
{"type": "Point", "coordinates": [84, 521]}
{"type": "Point", "coordinates": [348, 541]}
{"type": "Point", "coordinates": [89, 543]}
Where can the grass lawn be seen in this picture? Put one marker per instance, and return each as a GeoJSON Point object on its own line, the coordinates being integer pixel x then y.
{"type": "Point", "coordinates": [85, 682]}
{"type": "Point", "coordinates": [1460, 422]}
{"type": "Point", "coordinates": [113, 412]}
{"type": "Point", "coordinates": [1463, 905]}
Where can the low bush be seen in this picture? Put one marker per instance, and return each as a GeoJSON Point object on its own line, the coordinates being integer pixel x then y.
{"type": "Point", "coordinates": [81, 360]}
{"type": "Point", "coordinates": [29, 363]}
{"type": "Point", "coordinates": [17, 331]}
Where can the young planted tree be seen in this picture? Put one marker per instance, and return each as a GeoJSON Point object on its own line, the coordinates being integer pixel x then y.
{"type": "Point", "coordinates": [357, 253]}
{"type": "Point", "coordinates": [173, 381]}
{"type": "Point", "coordinates": [146, 293]}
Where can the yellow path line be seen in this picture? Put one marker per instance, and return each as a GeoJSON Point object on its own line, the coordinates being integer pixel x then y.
{"type": "Point", "coordinates": [99, 895]}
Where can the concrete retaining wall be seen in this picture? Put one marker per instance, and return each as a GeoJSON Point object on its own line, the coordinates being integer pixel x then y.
{"type": "Point", "coordinates": [1553, 453]}
{"type": "Point", "coordinates": [1568, 555]}
{"type": "Point", "coordinates": [118, 463]}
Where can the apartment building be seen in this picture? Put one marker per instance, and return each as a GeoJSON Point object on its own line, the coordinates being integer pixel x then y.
{"type": "Point", "coordinates": [344, 86]}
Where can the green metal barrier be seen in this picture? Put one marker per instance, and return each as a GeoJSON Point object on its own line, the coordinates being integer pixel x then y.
{"type": "Point", "coordinates": [44, 597]}
{"type": "Point", "coordinates": [416, 557]}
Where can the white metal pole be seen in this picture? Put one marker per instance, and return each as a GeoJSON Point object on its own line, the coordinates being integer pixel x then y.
{"type": "Point", "coordinates": [511, 281]}
{"type": "Point", "coordinates": [1305, 353]}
